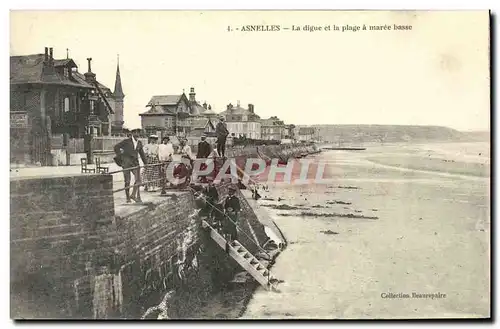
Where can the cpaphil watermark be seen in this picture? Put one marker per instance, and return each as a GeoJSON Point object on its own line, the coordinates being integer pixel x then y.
{"type": "Point", "coordinates": [295, 171]}
{"type": "Point", "coordinates": [402, 295]}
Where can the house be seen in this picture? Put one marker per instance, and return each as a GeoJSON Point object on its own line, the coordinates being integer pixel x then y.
{"type": "Point", "coordinates": [174, 114]}
{"type": "Point", "coordinates": [49, 96]}
{"type": "Point", "coordinates": [306, 133]}
{"type": "Point", "coordinates": [273, 129]}
{"type": "Point", "coordinates": [242, 122]}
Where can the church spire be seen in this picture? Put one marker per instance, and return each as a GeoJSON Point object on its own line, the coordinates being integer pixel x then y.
{"type": "Point", "coordinates": [118, 82]}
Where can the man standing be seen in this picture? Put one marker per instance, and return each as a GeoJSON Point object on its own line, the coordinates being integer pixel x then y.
{"type": "Point", "coordinates": [204, 149]}
{"type": "Point", "coordinates": [128, 151]}
{"type": "Point", "coordinates": [222, 133]}
{"type": "Point", "coordinates": [165, 152]}
{"type": "Point", "coordinates": [204, 152]}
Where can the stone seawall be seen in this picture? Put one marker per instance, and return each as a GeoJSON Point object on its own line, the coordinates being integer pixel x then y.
{"type": "Point", "coordinates": [62, 229]}
{"type": "Point", "coordinates": [73, 257]}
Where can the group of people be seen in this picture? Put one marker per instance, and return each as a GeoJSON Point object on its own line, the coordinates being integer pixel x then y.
{"type": "Point", "coordinates": [157, 156]}
{"type": "Point", "coordinates": [153, 175]}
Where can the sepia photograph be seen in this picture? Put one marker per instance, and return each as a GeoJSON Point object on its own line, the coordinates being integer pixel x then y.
{"type": "Point", "coordinates": [250, 164]}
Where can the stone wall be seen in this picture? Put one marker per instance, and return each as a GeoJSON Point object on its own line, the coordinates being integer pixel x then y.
{"type": "Point", "coordinates": [156, 244]}
{"type": "Point", "coordinates": [61, 230]}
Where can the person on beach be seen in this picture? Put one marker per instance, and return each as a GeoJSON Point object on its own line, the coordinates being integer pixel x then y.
{"type": "Point", "coordinates": [222, 133]}
{"type": "Point", "coordinates": [128, 152]}
{"type": "Point", "coordinates": [165, 152]}
{"type": "Point", "coordinates": [151, 173]}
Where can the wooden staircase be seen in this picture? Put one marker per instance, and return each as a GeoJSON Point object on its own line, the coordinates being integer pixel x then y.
{"type": "Point", "coordinates": [245, 259]}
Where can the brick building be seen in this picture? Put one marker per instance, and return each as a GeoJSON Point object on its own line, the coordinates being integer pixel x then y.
{"type": "Point", "coordinates": [49, 96]}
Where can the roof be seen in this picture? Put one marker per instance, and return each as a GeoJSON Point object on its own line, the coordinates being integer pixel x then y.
{"type": "Point", "coordinates": [165, 100]}
{"type": "Point", "coordinates": [272, 121]}
{"type": "Point", "coordinates": [209, 113]}
{"type": "Point", "coordinates": [118, 83]}
{"type": "Point", "coordinates": [196, 108]}
{"type": "Point", "coordinates": [64, 62]}
{"type": "Point", "coordinates": [238, 110]}
{"type": "Point", "coordinates": [81, 79]}
{"type": "Point", "coordinates": [30, 69]}
{"type": "Point", "coordinates": [157, 110]}
{"type": "Point", "coordinates": [201, 123]}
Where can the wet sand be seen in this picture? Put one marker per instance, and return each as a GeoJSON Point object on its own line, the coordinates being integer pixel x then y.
{"type": "Point", "coordinates": [380, 229]}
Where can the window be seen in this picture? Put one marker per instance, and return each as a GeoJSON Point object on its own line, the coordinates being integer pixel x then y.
{"type": "Point", "coordinates": [91, 107]}
{"type": "Point", "coordinates": [66, 104]}
{"type": "Point", "coordinates": [66, 72]}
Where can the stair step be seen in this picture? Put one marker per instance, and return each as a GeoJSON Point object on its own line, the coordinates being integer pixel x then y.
{"type": "Point", "coordinates": [245, 259]}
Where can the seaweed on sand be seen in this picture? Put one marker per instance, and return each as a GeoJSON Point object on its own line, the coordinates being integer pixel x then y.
{"type": "Point", "coordinates": [337, 202]}
{"type": "Point", "coordinates": [282, 207]}
{"type": "Point", "coordinates": [311, 214]}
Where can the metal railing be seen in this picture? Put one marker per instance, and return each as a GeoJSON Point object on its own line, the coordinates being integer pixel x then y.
{"type": "Point", "coordinates": [142, 183]}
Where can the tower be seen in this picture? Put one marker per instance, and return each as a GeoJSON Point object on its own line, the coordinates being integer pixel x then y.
{"type": "Point", "coordinates": [118, 96]}
{"type": "Point", "coordinates": [192, 95]}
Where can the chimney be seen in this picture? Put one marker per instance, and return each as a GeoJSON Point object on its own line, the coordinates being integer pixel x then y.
{"type": "Point", "coordinates": [209, 107]}
{"type": "Point", "coordinates": [229, 106]}
{"type": "Point", "coordinates": [46, 60]}
{"type": "Point", "coordinates": [89, 76]}
{"type": "Point", "coordinates": [51, 55]}
{"type": "Point", "coordinates": [89, 60]}
{"type": "Point", "coordinates": [205, 105]}
{"type": "Point", "coordinates": [250, 108]}
{"type": "Point", "coordinates": [192, 95]}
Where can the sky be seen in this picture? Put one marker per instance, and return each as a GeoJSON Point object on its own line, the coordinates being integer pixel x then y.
{"type": "Point", "coordinates": [437, 73]}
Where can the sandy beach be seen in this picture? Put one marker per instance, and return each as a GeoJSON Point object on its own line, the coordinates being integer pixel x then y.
{"type": "Point", "coordinates": [393, 224]}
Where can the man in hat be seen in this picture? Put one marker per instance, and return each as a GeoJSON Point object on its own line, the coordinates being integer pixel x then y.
{"type": "Point", "coordinates": [204, 151]}
{"type": "Point", "coordinates": [204, 148]}
{"type": "Point", "coordinates": [129, 150]}
{"type": "Point", "coordinates": [222, 133]}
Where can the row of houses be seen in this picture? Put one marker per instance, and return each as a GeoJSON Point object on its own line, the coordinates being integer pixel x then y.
{"type": "Point", "coordinates": [185, 116]}
{"type": "Point", "coordinates": [52, 101]}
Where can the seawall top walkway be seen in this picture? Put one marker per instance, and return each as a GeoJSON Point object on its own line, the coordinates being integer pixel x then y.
{"type": "Point", "coordinates": [122, 208]}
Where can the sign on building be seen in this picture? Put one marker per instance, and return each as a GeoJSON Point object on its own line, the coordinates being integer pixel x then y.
{"type": "Point", "coordinates": [18, 120]}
